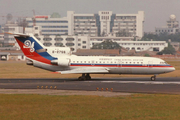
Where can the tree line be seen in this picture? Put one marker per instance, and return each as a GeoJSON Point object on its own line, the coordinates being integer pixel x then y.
{"type": "Point", "coordinates": [161, 37]}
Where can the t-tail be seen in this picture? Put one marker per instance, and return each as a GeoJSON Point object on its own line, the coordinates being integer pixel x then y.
{"type": "Point", "coordinates": [32, 48]}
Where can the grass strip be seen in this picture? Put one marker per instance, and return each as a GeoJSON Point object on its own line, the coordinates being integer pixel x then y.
{"type": "Point", "coordinates": [133, 107]}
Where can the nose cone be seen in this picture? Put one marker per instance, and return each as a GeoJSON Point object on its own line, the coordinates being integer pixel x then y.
{"type": "Point", "coordinates": [171, 69]}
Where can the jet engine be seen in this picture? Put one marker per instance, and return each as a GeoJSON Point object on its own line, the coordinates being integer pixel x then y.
{"type": "Point", "coordinates": [61, 62]}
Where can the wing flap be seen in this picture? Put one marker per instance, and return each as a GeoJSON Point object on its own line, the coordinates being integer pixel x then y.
{"type": "Point", "coordinates": [85, 70]}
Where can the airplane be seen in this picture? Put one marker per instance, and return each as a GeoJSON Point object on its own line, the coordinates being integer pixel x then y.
{"type": "Point", "coordinates": [61, 60]}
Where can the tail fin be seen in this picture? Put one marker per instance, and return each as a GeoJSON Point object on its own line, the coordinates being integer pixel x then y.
{"type": "Point", "coordinates": [32, 48]}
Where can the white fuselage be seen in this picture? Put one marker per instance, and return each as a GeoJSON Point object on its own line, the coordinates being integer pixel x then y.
{"type": "Point", "coordinates": [115, 65]}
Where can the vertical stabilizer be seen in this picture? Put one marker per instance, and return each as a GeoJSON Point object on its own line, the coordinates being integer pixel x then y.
{"type": "Point", "coordinates": [33, 48]}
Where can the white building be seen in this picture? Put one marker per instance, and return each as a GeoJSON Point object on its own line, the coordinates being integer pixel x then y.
{"type": "Point", "coordinates": [130, 23]}
{"type": "Point", "coordinates": [132, 45]}
{"type": "Point", "coordinates": [48, 25]}
{"type": "Point", "coordinates": [101, 24]}
{"type": "Point", "coordinates": [86, 42]}
{"type": "Point", "coordinates": [10, 27]}
{"type": "Point", "coordinates": [172, 26]}
{"type": "Point", "coordinates": [105, 22]}
{"type": "Point", "coordinates": [74, 42]}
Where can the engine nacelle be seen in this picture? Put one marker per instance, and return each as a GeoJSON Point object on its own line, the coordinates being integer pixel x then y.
{"type": "Point", "coordinates": [61, 62]}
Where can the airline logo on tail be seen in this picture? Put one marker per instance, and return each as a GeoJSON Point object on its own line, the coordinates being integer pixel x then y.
{"type": "Point", "coordinates": [27, 44]}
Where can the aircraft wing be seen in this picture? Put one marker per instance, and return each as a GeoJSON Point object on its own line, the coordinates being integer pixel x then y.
{"type": "Point", "coordinates": [85, 70]}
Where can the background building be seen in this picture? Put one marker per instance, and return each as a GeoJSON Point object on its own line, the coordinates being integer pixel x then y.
{"type": "Point", "coordinates": [138, 45]}
{"type": "Point", "coordinates": [47, 25]}
{"type": "Point", "coordinates": [74, 42]}
{"type": "Point", "coordinates": [10, 27]}
{"type": "Point", "coordinates": [101, 24]}
{"type": "Point", "coordinates": [172, 26]}
{"type": "Point", "coordinates": [105, 23]}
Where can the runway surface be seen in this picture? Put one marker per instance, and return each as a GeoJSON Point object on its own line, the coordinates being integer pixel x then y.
{"type": "Point", "coordinates": [169, 85]}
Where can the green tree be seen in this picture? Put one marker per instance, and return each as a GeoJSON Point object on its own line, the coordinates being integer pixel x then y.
{"type": "Point", "coordinates": [167, 50]}
{"type": "Point", "coordinates": [107, 44]}
{"type": "Point", "coordinates": [147, 55]}
{"type": "Point", "coordinates": [161, 37]}
{"type": "Point", "coordinates": [123, 33]}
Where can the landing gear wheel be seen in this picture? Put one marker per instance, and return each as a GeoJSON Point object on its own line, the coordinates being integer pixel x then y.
{"type": "Point", "coordinates": [84, 77]}
{"type": "Point", "coordinates": [81, 78]}
{"type": "Point", "coordinates": [88, 77]}
{"type": "Point", "coordinates": [153, 78]}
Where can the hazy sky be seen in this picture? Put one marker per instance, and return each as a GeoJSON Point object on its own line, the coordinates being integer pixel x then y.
{"type": "Point", "coordinates": [157, 12]}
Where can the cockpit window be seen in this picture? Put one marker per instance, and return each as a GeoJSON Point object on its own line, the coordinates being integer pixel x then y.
{"type": "Point", "coordinates": [163, 63]}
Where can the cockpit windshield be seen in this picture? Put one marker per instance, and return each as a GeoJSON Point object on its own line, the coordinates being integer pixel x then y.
{"type": "Point", "coordinates": [163, 63]}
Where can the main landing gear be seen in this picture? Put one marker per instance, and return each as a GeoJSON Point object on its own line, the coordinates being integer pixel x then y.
{"type": "Point", "coordinates": [153, 78]}
{"type": "Point", "coordinates": [85, 77]}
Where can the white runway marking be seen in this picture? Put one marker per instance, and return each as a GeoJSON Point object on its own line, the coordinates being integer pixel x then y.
{"type": "Point", "coordinates": [138, 82]}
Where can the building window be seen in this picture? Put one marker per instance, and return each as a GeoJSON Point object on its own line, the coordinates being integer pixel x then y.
{"type": "Point", "coordinates": [79, 44]}
{"type": "Point", "coordinates": [69, 44]}
{"type": "Point", "coordinates": [58, 39]}
{"type": "Point", "coordinates": [39, 38]}
{"type": "Point", "coordinates": [72, 49]}
{"type": "Point", "coordinates": [47, 44]}
{"type": "Point", "coordinates": [58, 44]}
{"type": "Point", "coordinates": [83, 46]}
{"type": "Point", "coordinates": [47, 39]}
{"type": "Point", "coordinates": [69, 39]}
{"type": "Point", "coordinates": [84, 42]}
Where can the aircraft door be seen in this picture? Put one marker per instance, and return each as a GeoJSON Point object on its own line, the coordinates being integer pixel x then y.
{"type": "Point", "coordinates": [92, 62]}
{"type": "Point", "coordinates": [119, 63]}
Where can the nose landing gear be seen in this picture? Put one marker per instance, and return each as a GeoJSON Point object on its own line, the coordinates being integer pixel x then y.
{"type": "Point", "coordinates": [153, 78]}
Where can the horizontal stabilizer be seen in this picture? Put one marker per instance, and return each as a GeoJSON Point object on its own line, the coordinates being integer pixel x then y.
{"type": "Point", "coordinates": [91, 70]}
{"type": "Point", "coordinates": [18, 34]}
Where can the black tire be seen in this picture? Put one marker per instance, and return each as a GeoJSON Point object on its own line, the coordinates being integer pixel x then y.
{"type": "Point", "coordinates": [153, 78]}
{"type": "Point", "coordinates": [81, 78]}
{"type": "Point", "coordinates": [88, 78]}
